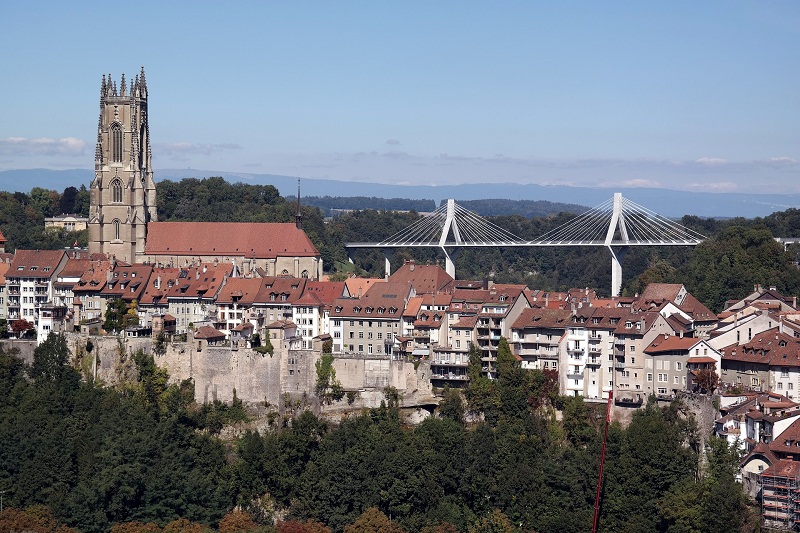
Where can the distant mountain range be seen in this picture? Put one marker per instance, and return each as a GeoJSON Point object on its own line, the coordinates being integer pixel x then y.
{"type": "Point", "coordinates": [667, 202]}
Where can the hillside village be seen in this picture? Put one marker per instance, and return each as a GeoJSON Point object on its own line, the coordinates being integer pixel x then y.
{"type": "Point", "coordinates": [663, 342]}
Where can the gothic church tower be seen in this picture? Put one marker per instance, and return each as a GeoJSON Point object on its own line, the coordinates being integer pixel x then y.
{"type": "Point", "coordinates": [123, 192]}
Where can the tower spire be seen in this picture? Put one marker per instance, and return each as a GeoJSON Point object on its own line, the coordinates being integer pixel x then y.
{"type": "Point", "coordinates": [298, 218]}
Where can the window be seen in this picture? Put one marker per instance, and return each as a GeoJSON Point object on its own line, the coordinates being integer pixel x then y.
{"type": "Point", "coordinates": [649, 378]}
{"type": "Point", "coordinates": [675, 380]}
{"type": "Point", "coordinates": [116, 142]}
{"type": "Point", "coordinates": [352, 335]}
{"type": "Point", "coordinates": [337, 323]}
{"type": "Point", "coordinates": [662, 390]}
{"type": "Point", "coordinates": [784, 372]}
{"type": "Point", "coordinates": [662, 378]}
{"type": "Point", "coordinates": [360, 348]}
{"type": "Point", "coordinates": [116, 229]}
{"type": "Point", "coordinates": [360, 334]}
{"type": "Point", "coordinates": [458, 343]}
{"type": "Point", "coordinates": [116, 191]}
{"type": "Point", "coordinates": [337, 334]}
{"type": "Point", "coordinates": [678, 365]}
{"type": "Point", "coordinates": [780, 385]}
{"type": "Point", "coordinates": [790, 386]}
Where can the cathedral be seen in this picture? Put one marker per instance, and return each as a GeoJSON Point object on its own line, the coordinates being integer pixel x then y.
{"type": "Point", "coordinates": [123, 192]}
{"type": "Point", "coordinates": [123, 220]}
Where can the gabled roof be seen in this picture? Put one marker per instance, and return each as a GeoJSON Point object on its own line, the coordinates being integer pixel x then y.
{"type": "Point", "coordinates": [201, 281]}
{"type": "Point", "coordinates": [381, 301]}
{"type": "Point", "coordinates": [543, 318]}
{"type": "Point", "coordinates": [34, 263]}
{"type": "Point", "coordinates": [426, 279]}
{"type": "Point", "coordinates": [668, 344]}
{"type": "Point", "coordinates": [208, 333]}
{"type": "Point", "coordinates": [243, 290]}
{"type": "Point", "coordinates": [127, 282]}
{"type": "Point", "coordinates": [74, 268]}
{"type": "Point", "coordinates": [94, 278]}
{"type": "Point", "coordinates": [358, 286]}
{"type": "Point", "coordinates": [283, 290]}
{"type": "Point", "coordinates": [413, 307]}
{"type": "Point", "coordinates": [261, 240]}
{"type": "Point", "coordinates": [770, 347]}
{"type": "Point", "coordinates": [321, 293]}
{"type": "Point", "coordinates": [645, 321]}
{"type": "Point", "coordinates": [661, 292]}
{"type": "Point", "coordinates": [788, 442]}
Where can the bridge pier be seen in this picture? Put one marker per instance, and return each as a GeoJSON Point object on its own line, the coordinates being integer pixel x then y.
{"type": "Point", "coordinates": [616, 268]}
{"type": "Point", "coordinates": [387, 265]}
{"type": "Point", "coordinates": [449, 260]}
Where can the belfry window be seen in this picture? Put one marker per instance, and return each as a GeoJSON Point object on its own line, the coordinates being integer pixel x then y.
{"type": "Point", "coordinates": [116, 142]}
{"type": "Point", "coordinates": [116, 229]}
{"type": "Point", "coordinates": [116, 189]}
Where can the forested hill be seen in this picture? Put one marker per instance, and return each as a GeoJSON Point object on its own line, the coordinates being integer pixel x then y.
{"type": "Point", "coordinates": [489, 207]}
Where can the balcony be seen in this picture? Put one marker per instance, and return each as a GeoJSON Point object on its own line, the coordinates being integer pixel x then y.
{"type": "Point", "coordinates": [573, 375]}
{"type": "Point", "coordinates": [619, 365]}
{"type": "Point", "coordinates": [594, 361]}
{"type": "Point", "coordinates": [450, 377]}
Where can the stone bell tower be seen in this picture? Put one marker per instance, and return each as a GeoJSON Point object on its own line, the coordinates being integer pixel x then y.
{"type": "Point", "coordinates": [123, 192]}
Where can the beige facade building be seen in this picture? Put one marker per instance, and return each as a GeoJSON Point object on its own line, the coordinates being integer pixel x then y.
{"type": "Point", "coordinates": [123, 192]}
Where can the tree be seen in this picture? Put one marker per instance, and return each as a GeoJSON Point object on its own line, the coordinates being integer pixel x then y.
{"type": "Point", "coordinates": [373, 521]}
{"type": "Point", "coordinates": [328, 388]}
{"type": "Point", "coordinates": [21, 326]}
{"type": "Point", "coordinates": [237, 522]}
{"type": "Point", "coordinates": [309, 526]}
{"type": "Point", "coordinates": [707, 380]}
{"type": "Point", "coordinates": [452, 405]}
{"type": "Point", "coordinates": [496, 522]}
{"type": "Point", "coordinates": [116, 310]}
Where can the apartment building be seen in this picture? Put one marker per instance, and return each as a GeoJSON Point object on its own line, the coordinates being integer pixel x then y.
{"type": "Point", "coordinates": [370, 324]}
{"type": "Point", "coordinates": [30, 281]}
{"type": "Point", "coordinates": [633, 333]}
{"type": "Point", "coordinates": [670, 358]}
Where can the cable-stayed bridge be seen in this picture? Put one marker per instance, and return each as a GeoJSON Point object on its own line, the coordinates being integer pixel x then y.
{"type": "Point", "coordinates": [615, 224]}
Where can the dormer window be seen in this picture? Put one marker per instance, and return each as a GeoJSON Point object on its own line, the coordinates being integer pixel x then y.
{"type": "Point", "coordinates": [381, 310]}
{"type": "Point", "coordinates": [34, 269]}
{"type": "Point", "coordinates": [338, 309]}
{"type": "Point", "coordinates": [369, 310]}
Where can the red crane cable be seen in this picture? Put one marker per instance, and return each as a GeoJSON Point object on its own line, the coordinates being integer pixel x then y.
{"type": "Point", "coordinates": [602, 463]}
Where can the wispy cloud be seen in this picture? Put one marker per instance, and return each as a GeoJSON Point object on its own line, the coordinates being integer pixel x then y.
{"type": "Point", "coordinates": [393, 141]}
{"type": "Point", "coordinates": [719, 186]}
{"type": "Point", "coordinates": [42, 146]}
{"type": "Point", "coordinates": [182, 149]}
{"type": "Point", "coordinates": [711, 161]}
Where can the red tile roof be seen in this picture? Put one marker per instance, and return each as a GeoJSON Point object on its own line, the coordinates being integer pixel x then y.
{"type": "Point", "coordinates": [543, 318]}
{"type": "Point", "coordinates": [34, 263]}
{"type": "Point", "coordinates": [672, 343]}
{"type": "Point", "coordinates": [783, 468]}
{"type": "Point", "coordinates": [262, 240]}
{"type": "Point", "coordinates": [426, 279]}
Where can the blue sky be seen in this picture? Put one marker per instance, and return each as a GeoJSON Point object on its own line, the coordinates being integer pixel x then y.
{"type": "Point", "coordinates": [689, 95]}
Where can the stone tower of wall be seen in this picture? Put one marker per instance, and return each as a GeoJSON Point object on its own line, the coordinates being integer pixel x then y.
{"type": "Point", "coordinates": [123, 192]}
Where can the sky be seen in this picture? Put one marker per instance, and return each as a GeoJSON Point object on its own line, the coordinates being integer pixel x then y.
{"type": "Point", "coordinates": [696, 96]}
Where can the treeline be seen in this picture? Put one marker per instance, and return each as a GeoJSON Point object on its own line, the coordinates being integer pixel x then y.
{"type": "Point", "coordinates": [22, 218]}
{"type": "Point", "coordinates": [97, 457]}
{"type": "Point", "coordinates": [328, 204]}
